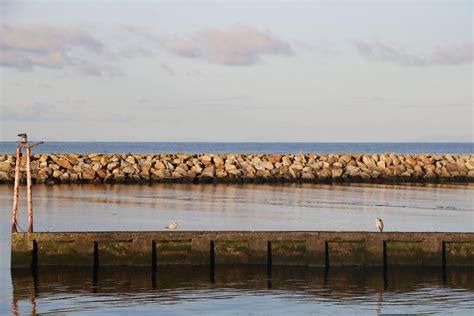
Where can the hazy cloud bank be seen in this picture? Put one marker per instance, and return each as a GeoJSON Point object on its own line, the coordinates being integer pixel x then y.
{"type": "Point", "coordinates": [26, 46]}
{"type": "Point", "coordinates": [389, 52]}
{"type": "Point", "coordinates": [34, 112]}
{"type": "Point", "coordinates": [236, 46]}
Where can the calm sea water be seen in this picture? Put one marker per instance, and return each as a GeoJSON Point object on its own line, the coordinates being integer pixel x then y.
{"type": "Point", "coordinates": [239, 290]}
{"type": "Point", "coordinates": [182, 147]}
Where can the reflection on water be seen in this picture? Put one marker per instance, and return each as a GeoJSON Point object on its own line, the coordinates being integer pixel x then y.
{"type": "Point", "coordinates": [401, 290]}
{"type": "Point", "coordinates": [250, 207]}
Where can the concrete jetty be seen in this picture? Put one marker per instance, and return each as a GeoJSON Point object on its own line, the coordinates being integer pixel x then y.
{"type": "Point", "coordinates": [305, 248]}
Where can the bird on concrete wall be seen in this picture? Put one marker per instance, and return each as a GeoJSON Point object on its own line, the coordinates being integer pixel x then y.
{"type": "Point", "coordinates": [379, 223]}
{"type": "Point", "coordinates": [172, 225]}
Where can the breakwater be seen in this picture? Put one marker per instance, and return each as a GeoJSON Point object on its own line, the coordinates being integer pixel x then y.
{"type": "Point", "coordinates": [237, 168]}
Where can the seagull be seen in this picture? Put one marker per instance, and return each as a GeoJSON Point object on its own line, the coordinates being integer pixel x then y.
{"type": "Point", "coordinates": [172, 225]}
{"type": "Point", "coordinates": [379, 223]}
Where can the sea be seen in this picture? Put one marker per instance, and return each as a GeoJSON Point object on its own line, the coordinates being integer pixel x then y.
{"type": "Point", "coordinates": [245, 147]}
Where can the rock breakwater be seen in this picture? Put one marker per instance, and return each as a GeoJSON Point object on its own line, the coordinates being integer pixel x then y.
{"type": "Point", "coordinates": [236, 168]}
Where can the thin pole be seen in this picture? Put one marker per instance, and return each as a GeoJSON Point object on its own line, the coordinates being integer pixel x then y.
{"type": "Point", "coordinates": [16, 189]}
{"type": "Point", "coordinates": [28, 190]}
{"type": "Point", "coordinates": [15, 307]}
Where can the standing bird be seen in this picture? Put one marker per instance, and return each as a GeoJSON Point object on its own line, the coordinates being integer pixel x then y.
{"type": "Point", "coordinates": [172, 225]}
{"type": "Point", "coordinates": [379, 223]}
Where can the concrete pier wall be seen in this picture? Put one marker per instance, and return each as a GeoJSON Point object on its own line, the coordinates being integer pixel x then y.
{"type": "Point", "coordinates": [237, 168]}
{"type": "Point", "coordinates": [321, 249]}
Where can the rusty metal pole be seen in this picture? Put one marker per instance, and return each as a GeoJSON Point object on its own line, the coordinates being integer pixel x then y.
{"type": "Point", "coordinates": [33, 305]}
{"type": "Point", "coordinates": [16, 189]}
{"type": "Point", "coordinates": [28, 190]}
{"type": "Point", "coordinates": [15, 307]}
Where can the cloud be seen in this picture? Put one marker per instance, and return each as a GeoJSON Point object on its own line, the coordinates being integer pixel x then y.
{"type": "Point", "coordinates": [321, 48]}
{"type": "Point", "coordinates": [167, 69]}
{"type": "Point", "coordinates": [193, 73]}
{"type": "Point", "coordinates": [34, 112]}
{"type": "Point", "coordinates": [239, 45]}
{"type": "Point", "coordinates": [390, 52]}
{"type": "Point", "coordinates": [26, 46]}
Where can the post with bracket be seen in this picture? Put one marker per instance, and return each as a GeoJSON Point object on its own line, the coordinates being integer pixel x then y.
{"type": "Point", "coordinates": [16, 189]}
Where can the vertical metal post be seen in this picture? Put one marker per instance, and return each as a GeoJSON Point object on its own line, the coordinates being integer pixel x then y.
{"type": "Point", "coordinates": [28, 190]}
{"type": "Point", "coordinates": [15, 307]}
{"type": "Point", "coordinates": [16, 189]}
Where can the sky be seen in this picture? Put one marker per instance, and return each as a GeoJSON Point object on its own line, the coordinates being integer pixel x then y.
{"type": "Point", "coordinates": [237, 71]}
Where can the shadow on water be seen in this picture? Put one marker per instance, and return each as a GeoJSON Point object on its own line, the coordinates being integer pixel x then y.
{"type": "Point", "coordinates": [175, 284]}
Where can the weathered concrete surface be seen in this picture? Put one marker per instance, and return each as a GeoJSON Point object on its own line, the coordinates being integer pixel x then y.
{"type": "Point", "coordinates": [236, 168]}
{"type": "Point", "coordinates": [244, 247]}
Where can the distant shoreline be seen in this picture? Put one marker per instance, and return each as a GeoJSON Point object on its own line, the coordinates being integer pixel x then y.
{"type": "Point", "coordinates": [244, 168]}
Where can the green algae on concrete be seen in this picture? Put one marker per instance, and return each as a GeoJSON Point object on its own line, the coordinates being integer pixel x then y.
{"type": "Point", "coordinates": [173, 252]}
{"type": "Point", "coordinates": [352, 253]}
{"type": "Point", "coordinates": [67, 252]}
{"type": "Point", "coordinates": [232, 251]}
{"type": "Point", "coordinates": [399, 252]}
{"type": "Point", "coordinates": [289, 252]}
{"type": "Point", "coordinates": [201, 250]}
{"type": "Point", "coordinates": [460, 253]}
{"type": "Point", "coordinates": [22, 249]}
{"type": "Point", "coordinates": [124, 252]}
{"type": "Point", "coordinates": [412, 253]}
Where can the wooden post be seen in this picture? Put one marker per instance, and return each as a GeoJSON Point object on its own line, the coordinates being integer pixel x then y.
{"type": "Point", "coordinates": [28, 190]}
{"type": "Point", "coordinates": [16, 189]}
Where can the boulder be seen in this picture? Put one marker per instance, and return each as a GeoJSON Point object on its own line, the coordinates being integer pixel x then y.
{"type": "Point", "coordinates": [209, 171]}
{"type": "Point", "coordinates": [131, 160]}
{"type": "Point", "coordinates": [353, 171]}
{"type": "Point", "coordinates": [235, 172]}
{"type": "Point", "coordinates": [5, 166]}
{"type": "Point", "coordinates": [3, 176]}
{"type": "Point", "coordinates": [57, 173]}
{"type": "Point", "coordinates": [381, 164]}
{"type": "Point", "coordinates": [451, 167]}
{"type": "Point", "coordinates": [346, 158]}
{"type": "Point", "coordinates": [43, 174]}
{"type": "Point", "coordinates": [221, 173]}
{"type": "Point", "coordinates": [206, 160]}
{"type": "Point", "coordinates": [267, 165]}
{"type": "Point", "coordinates": [101, 173]}
{"type": "Point", "coordinates": [286, 161]}
{"type": "Point", "coordinates": [88, 174]}
{"type": "Point", "coordinates": [111, 166]}
{"type": "Point", "coordinates": [128, 169]}
{"type": "Point", "coordinates": [228, 167]}
{"type": "Point", "coordinates": [336, 173]}
{"type": "Point", "coordinates": [159, 165]}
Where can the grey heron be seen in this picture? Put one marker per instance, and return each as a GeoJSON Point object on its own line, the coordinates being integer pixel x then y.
{"type": "Point", "coordinates": [379, 223]}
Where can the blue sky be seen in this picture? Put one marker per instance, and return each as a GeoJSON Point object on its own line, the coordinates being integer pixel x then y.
{"type": "Point", "coordinates": [237, 70]}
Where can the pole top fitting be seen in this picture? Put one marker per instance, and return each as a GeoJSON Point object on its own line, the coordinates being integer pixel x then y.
{"type": "Point", "coordinates": [23, 138]}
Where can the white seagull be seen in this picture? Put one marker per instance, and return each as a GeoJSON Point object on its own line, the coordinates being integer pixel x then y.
{"type": "Point", "coordinates": [379, 223]}
{"type": "Point", "coordinates": [172, 225]}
